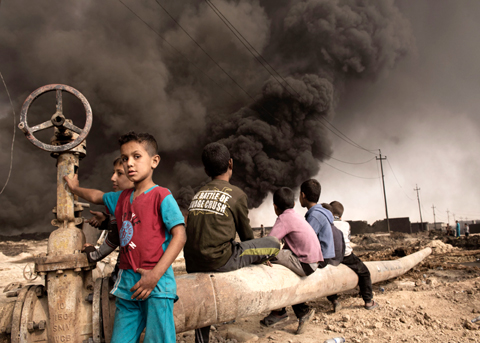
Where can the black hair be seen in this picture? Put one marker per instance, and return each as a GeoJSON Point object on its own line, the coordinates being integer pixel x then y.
{"type": "Point", "coordinates": [215, 158]}
{"type": "Point", "coordinates": [284, 199]}
{"type": "Point", "coordinates": [312, 189]}
{"type": "Point", "coordinates": [337, 208]}
{"type": "Point", "coordinates": [327, 207]}
{"type": "Point", "coordinates": [117, 161]}
{"type": "Point", "coordinates": [146, 139]}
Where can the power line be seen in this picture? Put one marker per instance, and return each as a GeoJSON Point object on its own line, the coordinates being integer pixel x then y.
{"type": "Point", "coordinates": [336, 159]}
{"type": "Point", "coordinates": [175, 49]}
{"type": "Point", "coordinates": [347, 139]}
{"type": "Point", "coordinates": [468, 214]}
{"type": "Point", "coordinates": [360, 177]}
{"type": "Point", "coordinates": [178, 52]}
{"type": "Point", "coordinates": [243, 40]}
{"type": "Point", "coordinates": [263, 62]}
{"type": "Point", "coordinates": [211, 58]}
{"type": "Point", "coordinates": [398, 181]}
{"type": "Point", "coordinates": [340, 134]}
{"type": "Point", "coordinates": [13, 137]}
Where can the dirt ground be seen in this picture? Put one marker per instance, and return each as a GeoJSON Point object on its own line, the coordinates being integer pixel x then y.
{"type": "Point", "coordinates": [433, 302]}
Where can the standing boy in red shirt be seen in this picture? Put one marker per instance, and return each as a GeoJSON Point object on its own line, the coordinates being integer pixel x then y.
{"type": "Point", "coordinates": [152, 233]}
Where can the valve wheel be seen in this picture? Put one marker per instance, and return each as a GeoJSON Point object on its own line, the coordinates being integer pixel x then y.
{"type": "Point", "coordinates": [58, 119]}
{"type": "Point", "coordinates": [29, 272]}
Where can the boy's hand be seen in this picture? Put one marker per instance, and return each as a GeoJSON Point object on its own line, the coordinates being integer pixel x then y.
{"type": "Point", "coordinates": [268, 263]}
{"type": "Point", "coordinates": [88, 249]}
{"type": "Point", "coordinates": [86, 245]}
{"type": "Point", "coordinates": [145, 286]}
{"type": "Point", "coordinates": [97, 219]}
{"type": "Point", "coordinates": [72, 183]}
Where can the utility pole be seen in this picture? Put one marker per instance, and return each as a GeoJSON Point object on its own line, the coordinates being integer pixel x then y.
{"type": "Point", "coordinates": [448, 216]}
{"type": "Point", "coordinates": [434, 221]}
{"type": "Point", "coordinates": [383, 181]}
{"type": "Point", "coordinates": [419, 207]}
{"type": "Point", "coordinates": [454, 218]}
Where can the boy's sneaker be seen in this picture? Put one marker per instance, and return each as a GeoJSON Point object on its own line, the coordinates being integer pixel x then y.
{"type": "Point", "coordinates": [302, 322]}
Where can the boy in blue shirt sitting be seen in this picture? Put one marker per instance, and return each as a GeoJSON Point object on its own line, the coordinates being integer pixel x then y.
{"type": "Point", "coordinates": [152, 233]}
{"type": "Point", "coordinates": [319, 218]}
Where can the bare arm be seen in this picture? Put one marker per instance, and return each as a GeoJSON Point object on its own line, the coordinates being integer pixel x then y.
{"type": "Point", "coordinates": [150, 278]}
{"type": "Point", "coordinates": [98, 219]}
{"type": "Point", "coordinates": [91, 195]}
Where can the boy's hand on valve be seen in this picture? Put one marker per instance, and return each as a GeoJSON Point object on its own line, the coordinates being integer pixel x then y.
{"type": "Point", "coordinates": [72, 183]}
{"type": "Point", "coordinates": [86, 245]}
{"type": "Point", "coordinates": [145, 286]}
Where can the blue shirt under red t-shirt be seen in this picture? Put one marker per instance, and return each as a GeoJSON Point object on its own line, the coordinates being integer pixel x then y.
{"type": "Point", "coordinates": [144, 225]}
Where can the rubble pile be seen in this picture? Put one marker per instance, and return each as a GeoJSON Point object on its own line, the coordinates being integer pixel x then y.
{"type": "Point", "coordinates": [438, 247]}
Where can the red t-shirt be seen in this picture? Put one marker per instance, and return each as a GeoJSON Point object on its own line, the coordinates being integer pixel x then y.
{"type": "Point", "coordinates": [144, 225]}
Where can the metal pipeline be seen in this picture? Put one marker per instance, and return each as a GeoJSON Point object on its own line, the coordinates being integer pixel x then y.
{"type": "Point", "coordinates": [204, 298]}
{"type": "Point", "coordinates": [209, 298]}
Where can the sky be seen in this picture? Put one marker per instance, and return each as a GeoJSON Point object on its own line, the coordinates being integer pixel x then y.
{"type": "Point", "coordinates": [400, 76]}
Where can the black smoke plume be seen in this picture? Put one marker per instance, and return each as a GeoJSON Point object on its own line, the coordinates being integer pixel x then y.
{"type": "Point", "coordinates": [279, 139]}
{"type": "Point", "coordinates": [135, 81]}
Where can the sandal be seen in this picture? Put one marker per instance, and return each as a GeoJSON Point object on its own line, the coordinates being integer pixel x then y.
{"type": "Point", "coordinates": [302, 322]}
{"type": "Point", "coordinates": [273, 319]}
{"type": "Point", "coordinates": [373, 306]}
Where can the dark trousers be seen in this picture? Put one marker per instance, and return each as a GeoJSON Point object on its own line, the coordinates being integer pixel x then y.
{"type": "Point", "coordinates": [299, 309]}
{"type": "Point", "coordinates": [364, 281]}
{"type": "Point", "coordinates": [255, 251]}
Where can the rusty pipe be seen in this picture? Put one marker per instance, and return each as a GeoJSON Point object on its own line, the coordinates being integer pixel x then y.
{"type": "Point", "coordinates": [66, 164]}
{"type": "Point", "coordinates": [209, 298]}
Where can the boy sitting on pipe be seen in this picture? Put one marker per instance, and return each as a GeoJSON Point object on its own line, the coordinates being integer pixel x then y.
{"type": "Point", "coordinates": [353, 262]}
{"type": "Point", "coordinates": [217, 212]}
{"type": "Point", "coordinates": [301, 253]}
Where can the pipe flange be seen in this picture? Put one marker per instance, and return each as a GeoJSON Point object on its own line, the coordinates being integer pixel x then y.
{"type": "Point", "coordinates": [62, 262]}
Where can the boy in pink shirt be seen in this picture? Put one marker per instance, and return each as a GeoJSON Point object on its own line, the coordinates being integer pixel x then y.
{"type": "Point", "coordinates": [301, 252]}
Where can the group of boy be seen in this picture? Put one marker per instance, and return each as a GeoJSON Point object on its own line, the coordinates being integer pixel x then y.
{"type": "Point", "coordinates": [151, 233]}
{"type": "Point", "coordinates": [306, 249]}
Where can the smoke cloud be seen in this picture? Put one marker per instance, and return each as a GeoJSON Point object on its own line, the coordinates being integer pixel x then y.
{"type": "Point", "coordinates": [135, 81]}
{"type": "Point", "coordinates": [279, 140]}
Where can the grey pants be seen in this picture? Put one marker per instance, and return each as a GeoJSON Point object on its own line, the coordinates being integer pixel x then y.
{"type": "Point", "coordinates": [288, 259]}
{"type": "Point", "coordinates": [254, 251]}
